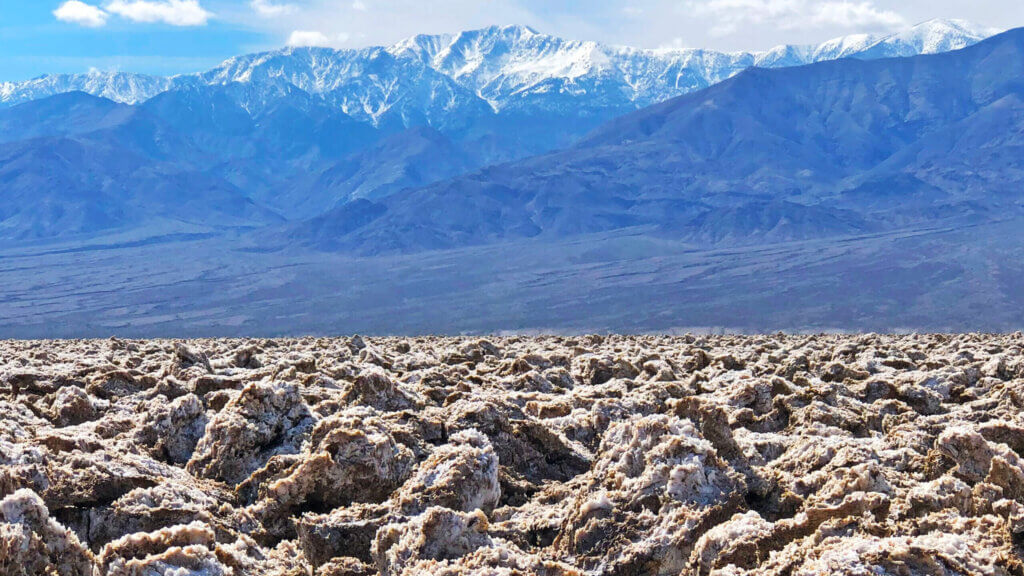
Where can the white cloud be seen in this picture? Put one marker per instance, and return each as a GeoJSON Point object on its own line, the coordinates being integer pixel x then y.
{"type": "Point", "coordinates": [270, 9]}
{"type": "Point", "coordinates": [728, 17]}
{"type": "Point", "coordinates": [81, 13]}
{"type": "Point", "coordinates": [855, 14]}
{"type": "Point", "coordinates": [359, 6]}
{"type": "Point", "coordinates": [173, 12]}
{"type": "Point", "coordinates": [311, 38]}
{"type": "Point", "coordinates": [302, 38]}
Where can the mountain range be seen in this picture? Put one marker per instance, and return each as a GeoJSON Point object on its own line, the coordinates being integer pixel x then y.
{"type": "Point", "coordinates": [830, 149]}
{"type": "Point", "coordinates": [498, 68]}
{"type": "Point", "coordinates": [529, 176]}
{"type": "Point", "coordinates": [300, 131]}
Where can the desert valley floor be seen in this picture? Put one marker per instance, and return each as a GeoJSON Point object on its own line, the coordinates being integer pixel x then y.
{"type": "Point", "coordinates": [553, 456]}
{"type": "Point", "coordinates": [950, 278]}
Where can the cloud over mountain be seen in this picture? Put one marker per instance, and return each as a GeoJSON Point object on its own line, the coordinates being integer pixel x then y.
{"type": "Point", "coordinates": [184, 13]}
{"type": "Point", "coordinates": [77, 12]}
{"type": "Point", "coordinates": [270, 9]}
{"type": "Point", "coordinates": [314, 38]}
{"type": "Point", "coordinates": [731, 16]}
{"type": "Point", "coordinates": [172, 12]}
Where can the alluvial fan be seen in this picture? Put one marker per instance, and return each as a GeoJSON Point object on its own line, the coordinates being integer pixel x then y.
{"type": "Point", "coordinates": [552, 456]}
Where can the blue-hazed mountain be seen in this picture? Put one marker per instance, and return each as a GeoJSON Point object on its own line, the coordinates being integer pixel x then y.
{"type": "Point", "coordinates": [806, 152]}
{"type": "Point", "coordinates": [118, 165]}
{"type": "Point", "coordinates": [455, 82]}
{"type": "Point", "coordinates": [297, 132]}
{"type": "Point", "coordinates": [857, 195]}
{"type": "Point", "coordinates": [93, 165]}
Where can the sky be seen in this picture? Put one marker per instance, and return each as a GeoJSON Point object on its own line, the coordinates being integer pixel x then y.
{"type": "Point", "coordinates": [179, 36]}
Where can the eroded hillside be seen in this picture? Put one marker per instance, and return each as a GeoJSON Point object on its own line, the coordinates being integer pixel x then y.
{"type": "Point", "coordinates": [552, 456]}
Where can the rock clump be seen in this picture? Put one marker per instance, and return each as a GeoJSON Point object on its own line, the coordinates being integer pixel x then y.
{"type": "Point", "coordinates": [552, 456]}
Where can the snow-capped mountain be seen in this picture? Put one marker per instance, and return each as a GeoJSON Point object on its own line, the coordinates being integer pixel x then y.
{"type": "Point", "coordinates": [771, 155]}
{"type": "Point", "coordinates": [435, 79]}
{"type": "Point", "coordinates": [123, 87]}
{"type": "Point", "coordinates": [510, 65]}
{"type": "Point", "coordinates": [371, 85]}
{"type": "Point", "coordinates": [934, 37]}
{"type": "Point", "coordinates": [301, 131]}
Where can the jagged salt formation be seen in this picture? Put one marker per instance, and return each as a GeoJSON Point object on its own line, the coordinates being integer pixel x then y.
{"type": "Point", "coordinates": [722, 456]}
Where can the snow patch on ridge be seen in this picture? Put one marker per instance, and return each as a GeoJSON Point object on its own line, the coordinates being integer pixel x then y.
{"type": "Point", "coordinates": [498, 68]}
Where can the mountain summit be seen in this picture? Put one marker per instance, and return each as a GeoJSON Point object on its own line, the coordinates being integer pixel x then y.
{"type": "Point", "coordinates": [501, 68]}
{"type": "Point", "coordinates": [831, 149]}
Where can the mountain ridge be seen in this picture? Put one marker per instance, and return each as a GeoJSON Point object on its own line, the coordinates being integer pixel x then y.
{"type": "Point", "coordinates": [727, 162]}
{"type": "Point", "coordinates": [500, 66]}
{"type": "Point", "coordinates": [875, 194]}
{"type": "Point", "coordinates": [299, 132]}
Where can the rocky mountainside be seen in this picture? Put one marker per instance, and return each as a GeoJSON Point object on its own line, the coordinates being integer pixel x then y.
{"type": "Point", "coordinates": [770, 155]}
{"type": "Point", "coordinates": [296, 132]}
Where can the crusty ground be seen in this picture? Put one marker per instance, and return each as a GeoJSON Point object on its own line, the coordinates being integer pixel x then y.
{"type": "Point", "coordinates": [767, 455]}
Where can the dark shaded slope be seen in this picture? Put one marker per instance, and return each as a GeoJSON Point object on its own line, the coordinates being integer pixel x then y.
{"type": "Point", "coordinates": [62, 115]}
{"type": "Point", "coordinates": [412, 158]}
{"type": "Point", "coordinates": [94, 166]}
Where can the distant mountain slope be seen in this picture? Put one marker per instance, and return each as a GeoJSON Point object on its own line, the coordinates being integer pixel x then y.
{"type": "Point", "coordinates": [49, 191]}
{"type": "Point", "coordinates": [96, 166]}
{"type": "Point", "coordinates": [62, 115]}
{"type": "Point", "coordinates": [121, 87]}
{"type": "Point", "coordinates": [297, 132]}
{"type": "Point", "coordinates": [794, 153]}
{"type": "Point", "coordinates": [413, 158]}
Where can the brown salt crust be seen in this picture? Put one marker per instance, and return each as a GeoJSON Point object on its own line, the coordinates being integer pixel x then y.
{"type": "Point", "coordinates": [725, 455]}
{"type": "Point", "coordinates": [263, 420]}
{"type": "Point", "coordinates": [31, 542]}
{"type": "Point", "coordinates": [461, 475]}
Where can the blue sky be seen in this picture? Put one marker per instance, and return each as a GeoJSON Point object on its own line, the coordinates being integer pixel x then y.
{"type": "Point", "coordinates": [173, 36]}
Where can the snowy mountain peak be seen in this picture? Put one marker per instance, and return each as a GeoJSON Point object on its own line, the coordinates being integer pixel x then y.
{"type": "Point", "coordinates": [953, 26]}
{"type": "Point", "coordinates": [124, 87]}
{"type": "Point", "coordinates": [940, 35]}
{"type": "Point", "coordinates": [432, 78]}
{"type": "Point", "coordinates": [930, 37]}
